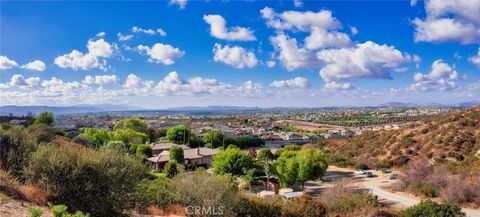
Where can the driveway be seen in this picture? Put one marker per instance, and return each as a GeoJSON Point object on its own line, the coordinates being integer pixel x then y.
{"type": "Point", "coordinates": [375, 185]}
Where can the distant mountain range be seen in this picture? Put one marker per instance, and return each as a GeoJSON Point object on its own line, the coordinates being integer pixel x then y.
{"type": "Point", "coordinates": [412, 105]}
{"type": "Point", "coordinates": [24, 110]}
{"type": "Point", "coordinates": [209, 108]}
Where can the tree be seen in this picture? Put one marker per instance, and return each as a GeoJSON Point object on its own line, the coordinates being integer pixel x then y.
{"type": "Point", "coordinates": [312, 165]}
{"type": "Point", "coordinates": [172, 168]}
{"type": "Point", "coordinates": [45, 118]}
{"type": "Point", "coordinates": [249, 178]}
{"type": "Point", "coordinates": [232, 160]}
{"type": "Point", "coordinates": [176, 154]}
{"type": "Point", "coordinates": [144, 150]}
{"type": "Point", "coordinates": [295, 167]}
{"type": "Point", "coordinates": [265, 155]}
{"type": "Point", "coordinates": [99, 137]}
{"type": "Point", "coordinates": [179, 134]}
{"type": "Point", "coordinates": [287, 170]}
{"type": "Point", "coordinates": [155, 134]}
{"type": "Point", "coordinates": [129, 136]}
{"type": "Point", "coordinates": [428, 208]}
{"type": "Point", "coordinates": [133, 123]}
{"type": "Point", "coordinates": [214, 137]}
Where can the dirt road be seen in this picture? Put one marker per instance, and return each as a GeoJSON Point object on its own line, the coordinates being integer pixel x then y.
{"type": "Point", "coordinates": [377, 184]}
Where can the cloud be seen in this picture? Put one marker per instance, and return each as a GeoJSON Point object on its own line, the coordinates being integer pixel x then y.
{"type": "Point", "coordinates": [100, 79]}
{"type": "Point", "coordinates": [101, 34]}
{"type": "Point", "coordinates": [300, 21]}
{"type": "Point", "coordinates": [161, 32]}
{"type": "Point", "coordinates": [173, 84]}
{"type": "Point", "coordinates": [161, 53]}
{"type": "Point", "coordinates": [475, 59]}
{"type": "Point", "coordinates": [137, 29]}
{"type": "Point", "coordinates": [97, 50]}
{"type": "Point", "coordinates": [320, 38]}
{"type": "Point", "coordinates": [219, 30]}
{"type": "Point", "coordinates": [235, 56]}
{"type": "Point", "coordinates": [297, 3]}
{"type": "Point", "coordinates": [367, 60]}
{"type": "Point", "coordinates": [36, 65]}
{"type": "Point", "coordinates": [6, 63]}
{"type": "Point", "coordinates": [441, 76]}
{"type": "Point", "coordinates": [20, 81]}
{"type": "Point", "coordinates": [353, 30]}
{"type": "Point", "coordinates": [298, 82]}
{"type": "Point", "coordinates": [181, 3]}
{"type": "Point", "coordinates": [271, 64]}
{"type": "Point", "coordinates": [454, 20]}
{"type": "Point", "coordinates": [332, 85]}
{"type": "Point", "coordinates": [291, 55]}
{"type": "Point", "coordinates": [122, 37]}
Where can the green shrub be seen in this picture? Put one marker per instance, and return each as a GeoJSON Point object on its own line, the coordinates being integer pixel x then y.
{"type": "Point", "coordinates": [153, 192]}
{"type": "Point", "coordinates": [35, 212]}
{"type": "Point", "coordinates": [144, 150]}
{"type": "Point", "coordinates": [425, 189]}
{"type": "Point", "coordinates": [100, 182]}
{"type": "Point", "coordinates": [62, 211]}
{"type": "Point", "coordinates": [16, 145]}
{"type": "Point", "coordinates": [172, 168]}
{"type": "Point", "coordinates": [428, 208]}
{"type": "Point", "coordinates": [201, 189]}
{"type": "Point", "coordinates": [58, 210]}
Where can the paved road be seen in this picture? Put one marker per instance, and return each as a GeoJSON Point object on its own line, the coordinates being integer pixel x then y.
{"type": "Point", "coordinates": [375, 184]}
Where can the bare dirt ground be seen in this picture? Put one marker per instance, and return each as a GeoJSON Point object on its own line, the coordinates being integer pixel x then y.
{"type": "Point", "coordinates": [14, 208]}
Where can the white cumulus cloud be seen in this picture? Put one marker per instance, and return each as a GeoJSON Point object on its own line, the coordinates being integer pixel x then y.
{"type": "Point", "coordinates": [475, 59]}
{"type": "Point", "coordinates": [449, 20]}
{"type": "Point", "coordinates": [441, 76]}
{"type": "Point", "coordinates": [219, 30]}
{"type": "Point", "coordinates": [235, 56]}
{"type": "Point", "coordinates": [161, 53]}
{"type": "Point", "coordinates": [36, 65]}
{"type": "Point", "coordinates": [367, 60]}
{"type": "Point", "coordinates": [95, 58]}
{"type": "Point", "coordinates": [291, 55]}
{"type": "Point", "coordinates": [100, 79]}
{"type": "Point", "coordinates": [6, 63]}
{"type": "Point", "coordinates": [181, 3]}
{"type": "Point", "coordinates": [298, 82]}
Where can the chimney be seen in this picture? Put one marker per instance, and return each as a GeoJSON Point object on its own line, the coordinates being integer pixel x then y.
{"type": "Point", "coordinates": [198, 151]}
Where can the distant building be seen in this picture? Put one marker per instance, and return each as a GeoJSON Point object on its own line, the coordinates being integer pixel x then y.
{"type": "Point", "coordinates": [158, 148]}
{"type": "Point", "coordinates": [193, 156]}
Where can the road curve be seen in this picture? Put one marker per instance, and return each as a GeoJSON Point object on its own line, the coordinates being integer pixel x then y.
{"type": "Point", "coordinates": [399, 200]}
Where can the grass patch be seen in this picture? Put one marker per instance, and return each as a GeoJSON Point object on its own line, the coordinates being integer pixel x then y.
{"type": "Point", "coordinates": [4, 198]}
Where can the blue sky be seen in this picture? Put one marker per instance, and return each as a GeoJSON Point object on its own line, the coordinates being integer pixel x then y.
{"type": "Point", "coordinates": [250, 53]}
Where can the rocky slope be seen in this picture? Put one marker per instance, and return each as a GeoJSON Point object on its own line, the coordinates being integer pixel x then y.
{"type": "Point", "coordinates": [452, 139]}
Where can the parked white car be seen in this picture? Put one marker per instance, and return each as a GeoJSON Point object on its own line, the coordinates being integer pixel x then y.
{"type": "Point", "coordinates": [360, 172]}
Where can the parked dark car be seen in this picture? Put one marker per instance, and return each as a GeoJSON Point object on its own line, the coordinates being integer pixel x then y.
{"type": "Point", "coordinates": [392, 176]}
{"type": "Point", "coordinates": [369, 174]}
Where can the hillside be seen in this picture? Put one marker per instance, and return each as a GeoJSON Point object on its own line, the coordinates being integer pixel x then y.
{"type": "Point", "coordinates": [453, 139]}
